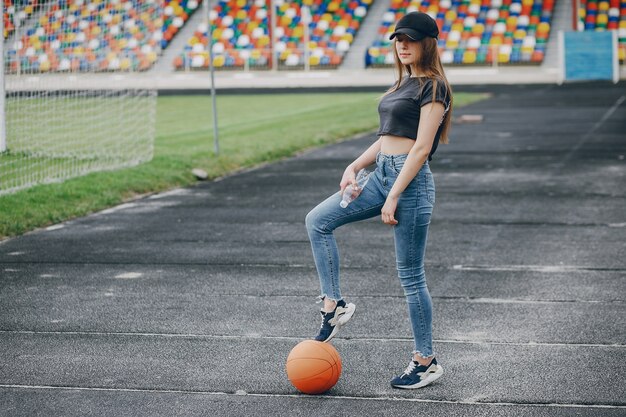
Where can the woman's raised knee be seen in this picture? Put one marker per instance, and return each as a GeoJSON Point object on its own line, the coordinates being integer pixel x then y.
{"type": "Point", "coordinates": [313, 221]}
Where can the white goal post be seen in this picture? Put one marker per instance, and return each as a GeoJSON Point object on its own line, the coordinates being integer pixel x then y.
{"type": "Point", "coordinates": [51, 131]}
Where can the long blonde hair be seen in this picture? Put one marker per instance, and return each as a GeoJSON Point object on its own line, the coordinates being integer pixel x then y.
{"type": "Point", "coordinates": [430, 65]}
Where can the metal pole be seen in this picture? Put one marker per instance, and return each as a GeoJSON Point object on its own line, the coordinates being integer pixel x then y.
{"type": "Point", "coordinates": [306, 19]}
{"type": "Point", "coordinates": [615, 59]}
{"type": "Point", "coordinates": [561, 50]}
{"type": "Point", "coordinates": [3, 131]}
{"type": "Point", "coordinates": [208, 6]}
{"type": "Point", "coordinates": [273, 35]}
{"type": "Point", "coordinates": [16, 37]}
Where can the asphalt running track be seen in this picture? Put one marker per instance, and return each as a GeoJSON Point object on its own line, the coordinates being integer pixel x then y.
{"type": "Point", "coordinates": [188, 302]}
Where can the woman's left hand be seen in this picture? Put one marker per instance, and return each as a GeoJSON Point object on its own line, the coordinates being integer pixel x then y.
{"type": "Point", "coordinates": [388, 211]}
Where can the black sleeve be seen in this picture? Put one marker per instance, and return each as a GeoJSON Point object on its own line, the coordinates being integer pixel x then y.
{"type": "Point", "coordinates": [442, 95]}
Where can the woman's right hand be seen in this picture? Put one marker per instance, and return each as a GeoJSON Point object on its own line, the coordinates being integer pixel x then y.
{"type": "Point", "coordinates": [349, 177]}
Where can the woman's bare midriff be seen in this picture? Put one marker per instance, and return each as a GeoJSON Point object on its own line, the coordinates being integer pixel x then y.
{"type": "Point", "coordinates": [395, 145]}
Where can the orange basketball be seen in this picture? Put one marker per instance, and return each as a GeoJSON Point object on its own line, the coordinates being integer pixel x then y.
{"type": "Point", "coordinates": [313, 367]}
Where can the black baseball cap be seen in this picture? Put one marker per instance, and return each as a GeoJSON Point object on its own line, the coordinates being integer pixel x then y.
{"type": "Point", "coordinates": [417, 26]}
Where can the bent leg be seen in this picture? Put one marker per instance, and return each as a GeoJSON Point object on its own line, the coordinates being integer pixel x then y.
{"type": "Point", "coordinates": [325, 218]}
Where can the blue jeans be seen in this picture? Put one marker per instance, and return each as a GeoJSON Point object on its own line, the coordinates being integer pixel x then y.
{"type": "Point", "coordinates": [415, 206]}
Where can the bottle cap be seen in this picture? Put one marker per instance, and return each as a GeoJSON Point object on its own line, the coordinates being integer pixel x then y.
{"type": "Point", "coordinates": [343, 204]}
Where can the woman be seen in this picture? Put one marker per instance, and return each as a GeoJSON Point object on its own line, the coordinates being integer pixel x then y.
{"type": "Point", "coordinates": [414, 117]}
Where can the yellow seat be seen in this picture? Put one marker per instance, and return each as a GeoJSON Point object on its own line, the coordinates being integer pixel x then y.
{"type": "Point", "coordinates": [218, 61]}
{"type": "Point", "coordinates": [263, 41]}
{"type": "Point", "coordinates": [469, 57]}
{"type": "Point", "coordinates": [332, 7]}
{"type": "Point", "coordinates": [44, 66]}
{"type": "Point", "coordinates": [511, 21]}
{"type": "Point", "coordinates": [478, 29]}
{"type": "Point", "coordinates": [543, 28]}
{"type": "Point", "coordinates": [503, 58]}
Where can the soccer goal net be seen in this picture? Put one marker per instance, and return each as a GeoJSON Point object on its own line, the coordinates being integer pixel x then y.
{"type": "Point", "coordinates": [63, 114]}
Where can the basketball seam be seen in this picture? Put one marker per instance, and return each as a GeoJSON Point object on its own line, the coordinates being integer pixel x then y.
{"type": "Point", "coordinates": [319, 373]}
{"type": "Point", "coordinates": [331, 352]}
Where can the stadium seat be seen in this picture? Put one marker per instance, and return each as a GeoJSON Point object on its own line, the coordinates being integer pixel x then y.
{"type": "Point", "coordinates": [602, 15]}
{"type": "Point", "coordinates": [90, 36]}
{"type": "Point", "coordinates": [241, 34]}
{"type": "Point", "coordinates": [175, 15]}
{"type": "Point", "coordinates": [16, 12]}
{"type": "Point", "coordinates": [474, 31]}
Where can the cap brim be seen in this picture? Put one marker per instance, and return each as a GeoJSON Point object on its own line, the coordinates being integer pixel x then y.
{"type": "Point", "coordinates": [411, 33]}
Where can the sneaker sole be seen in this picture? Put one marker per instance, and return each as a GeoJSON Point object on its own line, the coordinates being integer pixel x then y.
{"type": "Point", "coordinates": [345, 317]}
{"type": "Point", "coordinates": [429, 380]}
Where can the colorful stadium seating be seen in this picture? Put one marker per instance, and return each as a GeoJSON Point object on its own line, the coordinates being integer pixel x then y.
{"type": "Point", "coordinates": [475, 31]}
{"type": "Point", "coordinates": [241, 34]}
{"type": "Point", "coordinates": [15, 13]}
{"type": "Point", "coordinates": [80, 35]}
{"type": "Point", "coordinates": [175, 15]}
{"type": "Point", "coordinates": [90, 36]}
{"type": "Point", "coordinates": [605, 15]}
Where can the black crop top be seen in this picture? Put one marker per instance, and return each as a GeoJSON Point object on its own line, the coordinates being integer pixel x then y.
{"type": "Point", "coordinates": [399, 111]}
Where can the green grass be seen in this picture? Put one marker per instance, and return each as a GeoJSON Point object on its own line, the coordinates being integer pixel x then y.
{"type": "Point", "coordinates": [254, 129]}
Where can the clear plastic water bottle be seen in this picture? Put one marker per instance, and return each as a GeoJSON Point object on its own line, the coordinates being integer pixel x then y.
{"type": "Point", "coordinates": [351, 193]}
